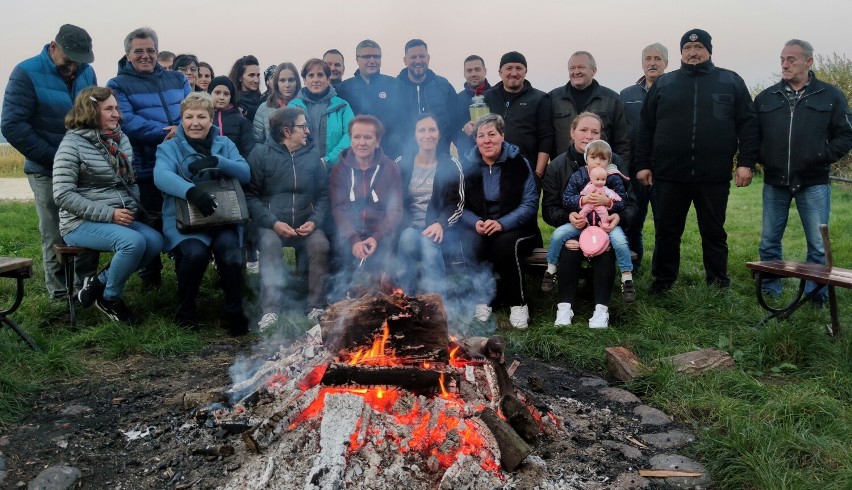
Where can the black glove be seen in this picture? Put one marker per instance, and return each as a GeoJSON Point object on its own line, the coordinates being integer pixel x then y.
{"type": "Point", "coordinates": [205, 203]}
{"type": "Point", "coordinates": [203, 164]}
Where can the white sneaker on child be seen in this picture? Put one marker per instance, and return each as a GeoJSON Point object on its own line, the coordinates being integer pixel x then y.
{"type": "Point", "coordinates": [519, 316]}
{"type": "Point", "coordinates": [564, 314]}
{"type": "Point", "coordinates": [253, 267]}
{"type": "Point", "coordinates": [601, 317]}
{"type": "Point", "coordinates": [482, 312]}
{"type": "Point", "coordinates": [266, 321]}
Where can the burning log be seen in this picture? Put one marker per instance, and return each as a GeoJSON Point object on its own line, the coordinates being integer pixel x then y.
{"type": "Point", "coordinates": [515, 411]}
{"type": "Point", "coordinates": [417, 325]}
{"type": "Point", "coordinates": [413, 379]}
{"type": "Point", "coordinates": [513, 449]}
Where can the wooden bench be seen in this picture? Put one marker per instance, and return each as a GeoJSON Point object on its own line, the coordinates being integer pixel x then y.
{"type": "Point", "coordinates": [538, 260]}
{"type": "Point", "coordinates": [826, 275]}
{"type": "Point", "coordinates": [67, 255]}
{"type": "Point", "coordinates": [18, 269]}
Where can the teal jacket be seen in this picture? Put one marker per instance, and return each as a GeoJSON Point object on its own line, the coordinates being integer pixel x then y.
{"type": "Point", "coordinates": [336, 121]}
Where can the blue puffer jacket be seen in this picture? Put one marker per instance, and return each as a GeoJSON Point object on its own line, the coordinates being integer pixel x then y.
{"type": "Point", "coordinates": [148, 103]}
{"type": "Point", "coordinates": [34, 108]}
{"type": "Point", "coordinates": [173, 159]}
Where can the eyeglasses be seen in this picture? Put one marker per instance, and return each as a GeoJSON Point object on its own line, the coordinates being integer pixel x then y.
{"type": "Point", "coordinates": [303, 126]}
{"type": "Point", "coordinates": [193, 69]}
{"type": "Point", "coordinates": [140, 51]}
{"type": "Point", "coordinates": [370, 56]}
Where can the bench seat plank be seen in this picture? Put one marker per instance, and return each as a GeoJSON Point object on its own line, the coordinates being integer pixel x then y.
{"type": "Point", "coordinates": [14, 265]}
{"type": "Point", "coordinates": [817, 273]}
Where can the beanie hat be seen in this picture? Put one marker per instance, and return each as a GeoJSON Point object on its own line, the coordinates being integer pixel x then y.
{"type": "Point", "coordinates": [513, 57]}
{"type": "Point", "coordinates": [222, 80]}
{"type": "Point", "coordinates": [697, 35]}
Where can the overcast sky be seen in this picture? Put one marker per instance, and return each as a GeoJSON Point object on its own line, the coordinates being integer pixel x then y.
{"type": "Point", "coordinates": [747, 35]}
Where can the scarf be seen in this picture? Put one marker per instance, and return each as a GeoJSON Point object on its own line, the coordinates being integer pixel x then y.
{"type": "Point", "coordinates": [202, 146]}
{"type": "Point", "coordinates": [110, 140]}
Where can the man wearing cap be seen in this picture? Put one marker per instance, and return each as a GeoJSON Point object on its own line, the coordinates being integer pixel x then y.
{"type": "Point", "coordinates": [693, 121]}
{"type": "Point", "coordinates": [655, 60]}
{"type": "Point", "coordinates": [805, 126]}
{"type": "Point", "coordinates": [583, 93]}
{"type": "Point", "coordinates": [40, 93]}
{"type": "Point", "coordinates": [369, 92]}
{"type": "Point", "coordinates": [525, 110]}
{"type": "Point", "coordinates": [149, 98]}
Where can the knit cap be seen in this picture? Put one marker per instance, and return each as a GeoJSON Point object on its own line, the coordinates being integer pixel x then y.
{"type": "Point", "coordinates": [697, 35]}
{"type": "Point", "coordinates": [513, 57]}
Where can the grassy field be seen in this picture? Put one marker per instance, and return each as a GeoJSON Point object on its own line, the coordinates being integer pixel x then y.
{"type": "Point", "coordinates": [781, 419]}
{"type": "Point", "coordinates": [11, 162]}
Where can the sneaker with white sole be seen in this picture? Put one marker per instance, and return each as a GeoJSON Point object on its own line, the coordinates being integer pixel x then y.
{"type": "Point", "coordinates": [482, 312]}
{"type": "Point", "coordinates": [267, 320]}
{"type": "Point", "coordinates": [519, 316]}
{"type": "Point", "coordinates": [600, 319]}
{"type": "Point", "coordinates": [253, 267]}
{"type": "Point", "coordinates": [116, 310]}
{"type": "Point", "coordinates": [564, 314]}
{"type": "Point", "coordinates": [92, 289]}
{"type": "Point", "coordinates": [315, 314]}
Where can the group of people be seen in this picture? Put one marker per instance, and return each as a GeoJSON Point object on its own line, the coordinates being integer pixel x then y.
{"type": "Point", "coordinates": [357, 175]}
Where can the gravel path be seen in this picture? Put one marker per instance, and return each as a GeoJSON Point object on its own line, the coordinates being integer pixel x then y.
{"type": "Point", "coordinates": [15, 189]}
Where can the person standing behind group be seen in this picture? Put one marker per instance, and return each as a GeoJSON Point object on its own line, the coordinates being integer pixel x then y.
{"type": "Point", "coordinates": [205, 75]}
{"type": "Point", "coordinates": [245, 75]}
{"type": "Point", "coordinates": [228, 118]}
{"type": "Point", "coordinates": [286, 87]}
{"type": "Point", "coordinates": [328, 115]}
{"type": "Point", "coordinates": [525, 110]}
{"type": "Point", "coordinates": [424, 92]}
{"type": "Point", "coordinates": [369, 92]}
{"type": "Point", "coordinates": [693, 122]}
{"type": "Point", "coordinates": [188, 65]}
{"type": "Point", "coordinates": [500, 215]}
{"type": "Point", "coordinates": [166, 59]}
{"type": "Point", "coordinates": [288, 202]}
{"type": "Point", "coordinates": [433, 201]}
{"type": "Point", "coordinates": [95, 189]}
{"type": "Point", "coordinates": [475, 84]}
{"type": "Point", "coordinates": [194, 155]}
{"type": "Point", "coordinates": [583, 93]}
{"type": "Point", "coordinates": [40, 93]}
{"type": "Point", "coordinates": [655, 59]}
{"type": "Point", "coordinates": [334, 59]}
{"type": "Point", "coordinates": [149, 100]}
{"type": "Point", "coordinates": [366, 202]}
{"type": "Point", "coordinates": [805, 126]}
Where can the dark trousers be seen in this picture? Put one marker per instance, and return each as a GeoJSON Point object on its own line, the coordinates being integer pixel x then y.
{"type": "Point", "coordinates": [645, 196]}
{"type": "Point", "coordinates": [674, 199]}
{"type": "Point", "coordinates": [568, 275]}
{"type": "Point", "coordinates": [504, 252]}
{"type": "Point", "coordinates": [273, 280]}
{"type": "Point", "coordinates": [191, 259]}
{"type": "Point", "coordinates": [152, 200]}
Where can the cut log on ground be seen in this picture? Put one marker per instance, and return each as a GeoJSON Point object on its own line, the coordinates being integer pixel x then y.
{"type": "Point", "coordinates": [418, 325]}
{"type": "Point", "coordinates": [623, 364]}
{"type": "Point", "coordinates": [667, 473]}
{"type": "Point", "coordinates": [698, 361]}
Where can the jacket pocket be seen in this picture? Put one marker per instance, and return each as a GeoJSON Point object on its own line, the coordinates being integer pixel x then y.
{"type": "Point", "coordinates": [723, 106]}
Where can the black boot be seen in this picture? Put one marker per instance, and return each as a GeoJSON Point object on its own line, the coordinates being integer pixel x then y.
{"type": "Point", "coordinates": [237, 323]}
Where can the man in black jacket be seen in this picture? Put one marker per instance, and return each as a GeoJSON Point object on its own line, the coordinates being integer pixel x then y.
{"type": "Point", "coordinates": [475, 84]}
{"type": "Point", "coordinates": [525, 110]}
{"type": "Point", "coordinates": [693, 121]}
{"type": "Point", "coordinates": [805, 126]}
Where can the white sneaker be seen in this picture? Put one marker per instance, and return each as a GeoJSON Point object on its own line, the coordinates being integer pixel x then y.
{"type": "Point", "coordinates": [267, 320]}
{"type": "Point", "coordinates": [482, 312]}
{"type": "Point", "coordinates": [601, 317]}
{"type": "Point", "coordinates": [564, 314]}
{"type": "Point", "coordinates": [252, 267]}
{"type": "Point", "coordinates": [519, 316]}
{"type": "Point", "coordinates": [315, 314]}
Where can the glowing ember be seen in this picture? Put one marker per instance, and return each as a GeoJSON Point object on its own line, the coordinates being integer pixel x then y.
{"type": "Point", "coordinates": [313, 378]}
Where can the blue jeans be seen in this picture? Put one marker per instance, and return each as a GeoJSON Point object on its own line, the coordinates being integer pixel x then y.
{"type": "Point", "coordinates": [135, 246]}
{"type": "Point", "coordinates": [617, 240]}
{"type": "Point", "coordinates": [85, 265]}
{"type": "Point", "coordinates": [420, 256]}
{"type": "Point", "coordinates": [813, 203]}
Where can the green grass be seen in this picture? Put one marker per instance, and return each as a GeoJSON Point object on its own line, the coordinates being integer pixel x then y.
{"type": "Point", "coordinates": [11, 162]}
{"type": "Point", "coordinates": [779, 420]}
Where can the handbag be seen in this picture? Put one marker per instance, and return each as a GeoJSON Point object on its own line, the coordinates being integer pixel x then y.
{"type": "Point", "coordinates": [231, 208]}
{"type": "Point", "coordinates": [593, 240]}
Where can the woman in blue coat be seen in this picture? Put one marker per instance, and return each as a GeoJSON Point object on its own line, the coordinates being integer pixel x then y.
{"type": "Point", "coordinates": [190, 157]}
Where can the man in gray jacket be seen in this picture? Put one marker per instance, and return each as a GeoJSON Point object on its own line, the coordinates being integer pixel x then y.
{"type": "Point", "coordinates": [40, 93]}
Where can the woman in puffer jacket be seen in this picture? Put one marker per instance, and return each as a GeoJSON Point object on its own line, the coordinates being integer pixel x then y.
{"type": "Point", "coordinates": [95, 188]}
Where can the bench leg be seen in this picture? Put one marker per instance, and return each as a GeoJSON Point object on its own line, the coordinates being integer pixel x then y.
{"type": "Point", "coordinates": [19, 297]}
{"type": "Point", "coordinates": [69, 285]}
{"type": "Point", "coordinates": [832, 306]}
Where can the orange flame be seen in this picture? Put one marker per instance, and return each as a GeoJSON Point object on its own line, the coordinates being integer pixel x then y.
{"type": "Point", "coordinates": [313, 378]}
{"type": "Point", "coordinates": [444, 393]}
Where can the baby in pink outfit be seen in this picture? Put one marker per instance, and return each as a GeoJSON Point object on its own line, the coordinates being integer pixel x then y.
{"type": "Point", "coordinates": [597, 185]}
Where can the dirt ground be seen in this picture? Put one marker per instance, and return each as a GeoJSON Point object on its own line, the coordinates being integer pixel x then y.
{"type": "Point", "coordinates": [15, 189]}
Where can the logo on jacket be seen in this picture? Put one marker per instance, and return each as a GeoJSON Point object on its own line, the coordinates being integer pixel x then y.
{"type": "Point", "coordinates": [383, 95]}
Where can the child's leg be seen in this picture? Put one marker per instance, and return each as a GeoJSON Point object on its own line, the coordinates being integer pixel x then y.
{"type": "Point", "coordinates": [618, 241]}
{"type": "Point", "coordinates": [557, 240]}
{"type": "Point", "coordinates": [603, 215]}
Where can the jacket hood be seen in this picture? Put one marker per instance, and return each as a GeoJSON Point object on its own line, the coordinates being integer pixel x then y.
{"type": "Point", "coordinates": [304, 95]}
{"type": "Point", "coordinates": [347, 157]}
{"type": "Point", "coordinates": [699, 69]}
{"type": "Point", "coordinates": [126, 68]}
{"type": "Point", "coordinates": [509, 151]}
{"type": "Point", "coordinates": [527, 86]}
{"type": "Point", "coordinates": [472, 90]}
{"type": "Point", "coordinates": [403, 76]}
{"type": "Point", "coordinates": [282, 148]}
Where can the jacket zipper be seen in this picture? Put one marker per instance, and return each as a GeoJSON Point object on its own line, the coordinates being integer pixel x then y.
{"type": "Point", "coordinates": [295, 186]}
{"type": "Point", "coordinates": [364, 194]}
{"type": "Point", "coordinates": [694, 125]}
{"type": "Point", "coordinates": [790, 133]}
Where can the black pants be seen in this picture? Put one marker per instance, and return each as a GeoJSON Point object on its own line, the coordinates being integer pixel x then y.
{"type": "Point", "coordinates": [711, 202]}
{"type": "Point", "coordinates": [152, 199]}
{"type": "Point", "coordinates": [191, 259]}
{"type": "Point", "coordinates": [645, 196]}
{"type": "Point", "coordinates": [504, 251]}
{"type": "Point", "coordinates": [568, 274]}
